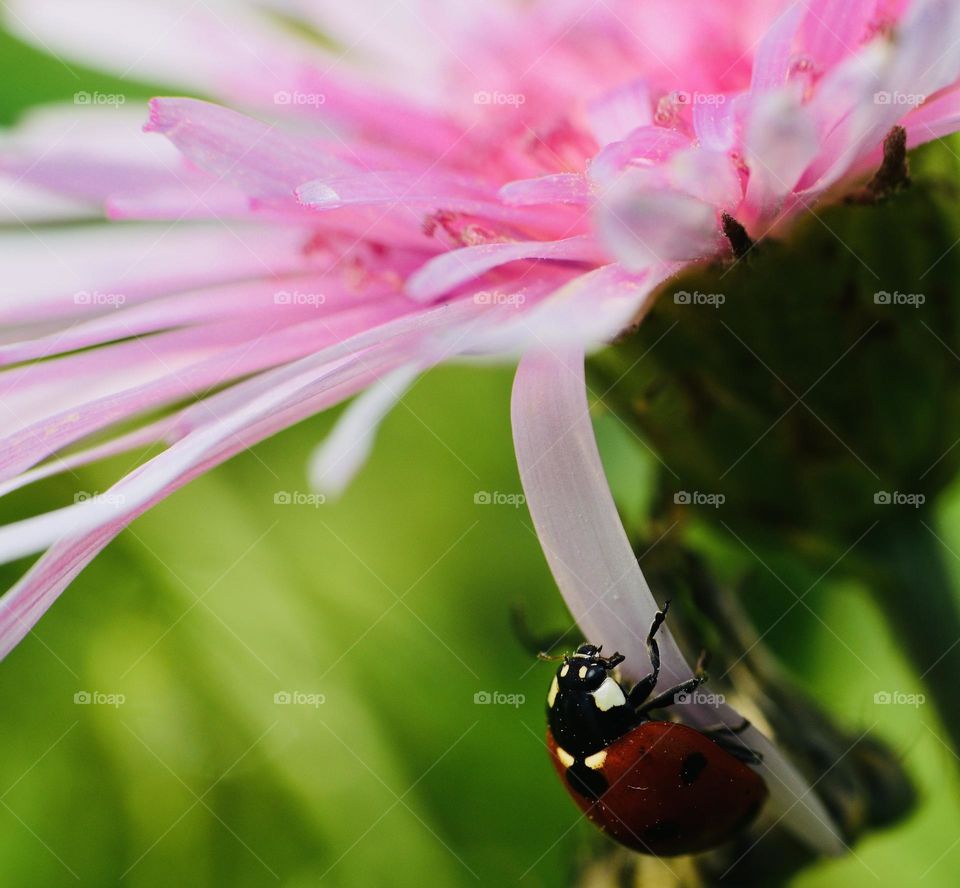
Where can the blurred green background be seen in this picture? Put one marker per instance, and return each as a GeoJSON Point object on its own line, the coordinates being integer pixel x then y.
{"type": "Point", "coordinates": [391, 607]}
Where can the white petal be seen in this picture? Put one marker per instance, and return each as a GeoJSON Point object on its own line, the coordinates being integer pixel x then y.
{"type": "Point", "coordinates": [587, 313]}
{"type": "Point", "coordinates": [645, 227]}
{"type": "Point", "coordinates": [597, 571]}
{"type": "Point", "coordinates": [575, 516]}
{"type": "Point", "coordinates": [337, 460]}
{"type": "Point", "coordinates": [781, 142]}
{"type": "Point", "coordinates": [217, 46]}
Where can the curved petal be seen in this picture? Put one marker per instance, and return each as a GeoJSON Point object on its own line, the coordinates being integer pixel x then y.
{"type": "Point", "coordinates": [575, 516]}
{"type": "Point", "coordinates": [449, 270]}
{"type": "Point", "coordinates": [562, 188]}
{"type": "Point", "coordinates": [586, 312]}
{"type": "Point", "coordinates": [595, 566]}
{"type": "Point", "coordinates": [337, 460]}
{"type": "Point", "coordinates": [645, 227]}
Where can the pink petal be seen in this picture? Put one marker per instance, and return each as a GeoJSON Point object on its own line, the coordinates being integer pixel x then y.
{"type": "Point", "coordinates": [644, 227]}
{"type": "Point", "coordinates": [833, 29]}
{"type": "Point", "coordinates": [588, 311]}
{"type": "Point", "coordinates": [646, 146]}
{"type": "Point", "coordinates": [934, 119]}
{"type": "Point", "coordinates": [412, 193]}
{"type": "Point", "coordinates": [81, 540]}
{"type": "Point", "coordinates": [715, 124]}
{"type": "Point", "coordinates": [46, 270]}
{"type": "Point", "coordinates": [151, 434]}
{"type": "Point", "coordinates": [383, 117]}
{"type": "Point", "coordinates": [219, 422]}
{"type": "Point", "coordinates": [259, 158]}
{"type": "Point", "coordinates": [158, 371]}
{"type": "Point", "coordinates": [449, 270]}
{"type": "Point", "coordinates": [618, 113]}
{"type": "Point", "coordinates": [844, 108]}
{"type": "Point", "coordinates": [921, 60]}
{"type": "Point", "coordinates": [560, 188]}
{"type": "Point", "coordinates": [270, 304]}
{"type": "Point", "coordinates": [771, 63]}
{"type": "Point", "coordinates": [390, 187]}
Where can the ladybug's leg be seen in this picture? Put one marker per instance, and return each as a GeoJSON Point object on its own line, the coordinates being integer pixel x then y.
{"type": "Point", "coordinates": [671, 696]}
{"type": "Point", "coordinates": [729, 740]}
{"type": "Point", "coordinates": [644, 688]}
{"type": "Point", "coordinates": [668, 698]}
{"type": "Point", "coordinates": [726, 729]}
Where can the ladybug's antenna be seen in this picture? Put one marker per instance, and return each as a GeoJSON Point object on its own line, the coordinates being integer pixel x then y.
{"type": "Point", "coordinates": [547, 657]}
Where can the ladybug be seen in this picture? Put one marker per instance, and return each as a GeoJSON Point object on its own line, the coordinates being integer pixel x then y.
{"type": "Point", "coordinates": [658, 787]}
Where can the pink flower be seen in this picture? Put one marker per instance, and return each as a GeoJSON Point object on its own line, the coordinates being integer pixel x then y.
{"type": "Point", "coordinates": [442, 179]}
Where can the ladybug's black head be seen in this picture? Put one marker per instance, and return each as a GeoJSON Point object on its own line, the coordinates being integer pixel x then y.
{"type": "Point", "coordinates": [586, 669]}
{"type": "Point", "coordinates": [586, 707]}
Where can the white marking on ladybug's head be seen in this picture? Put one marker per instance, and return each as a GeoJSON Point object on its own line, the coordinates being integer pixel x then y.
{"type": "Point", "coordinates": [583, 672]}
{"type": "Point", "coordinates": [564, 670]}
{"type": "Point", "coordinates": [608, 695]}
{"type": "Point", "coordinates": [554, 690]}
{"type": "Point", "coordinates": [596, 761]}
{"type": "Point", "coordinates": [587, 651]}
{"type": "Point", "coordinates": [566, 759]}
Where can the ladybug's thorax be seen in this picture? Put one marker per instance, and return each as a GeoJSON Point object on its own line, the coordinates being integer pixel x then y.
{"type": "Point", "coordinates": [587, 708]}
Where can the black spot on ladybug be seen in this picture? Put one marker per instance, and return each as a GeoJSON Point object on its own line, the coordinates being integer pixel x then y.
{"type": "Point", "coordinates": [587, 782]}
{"type": "Point", "coordinates": [662, 831]}
{"type": "Point", "coordinates": [692, 767]}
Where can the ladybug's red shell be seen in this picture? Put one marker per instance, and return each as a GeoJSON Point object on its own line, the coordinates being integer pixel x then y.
{"type": "Point", "coordinates": [671, 790]}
